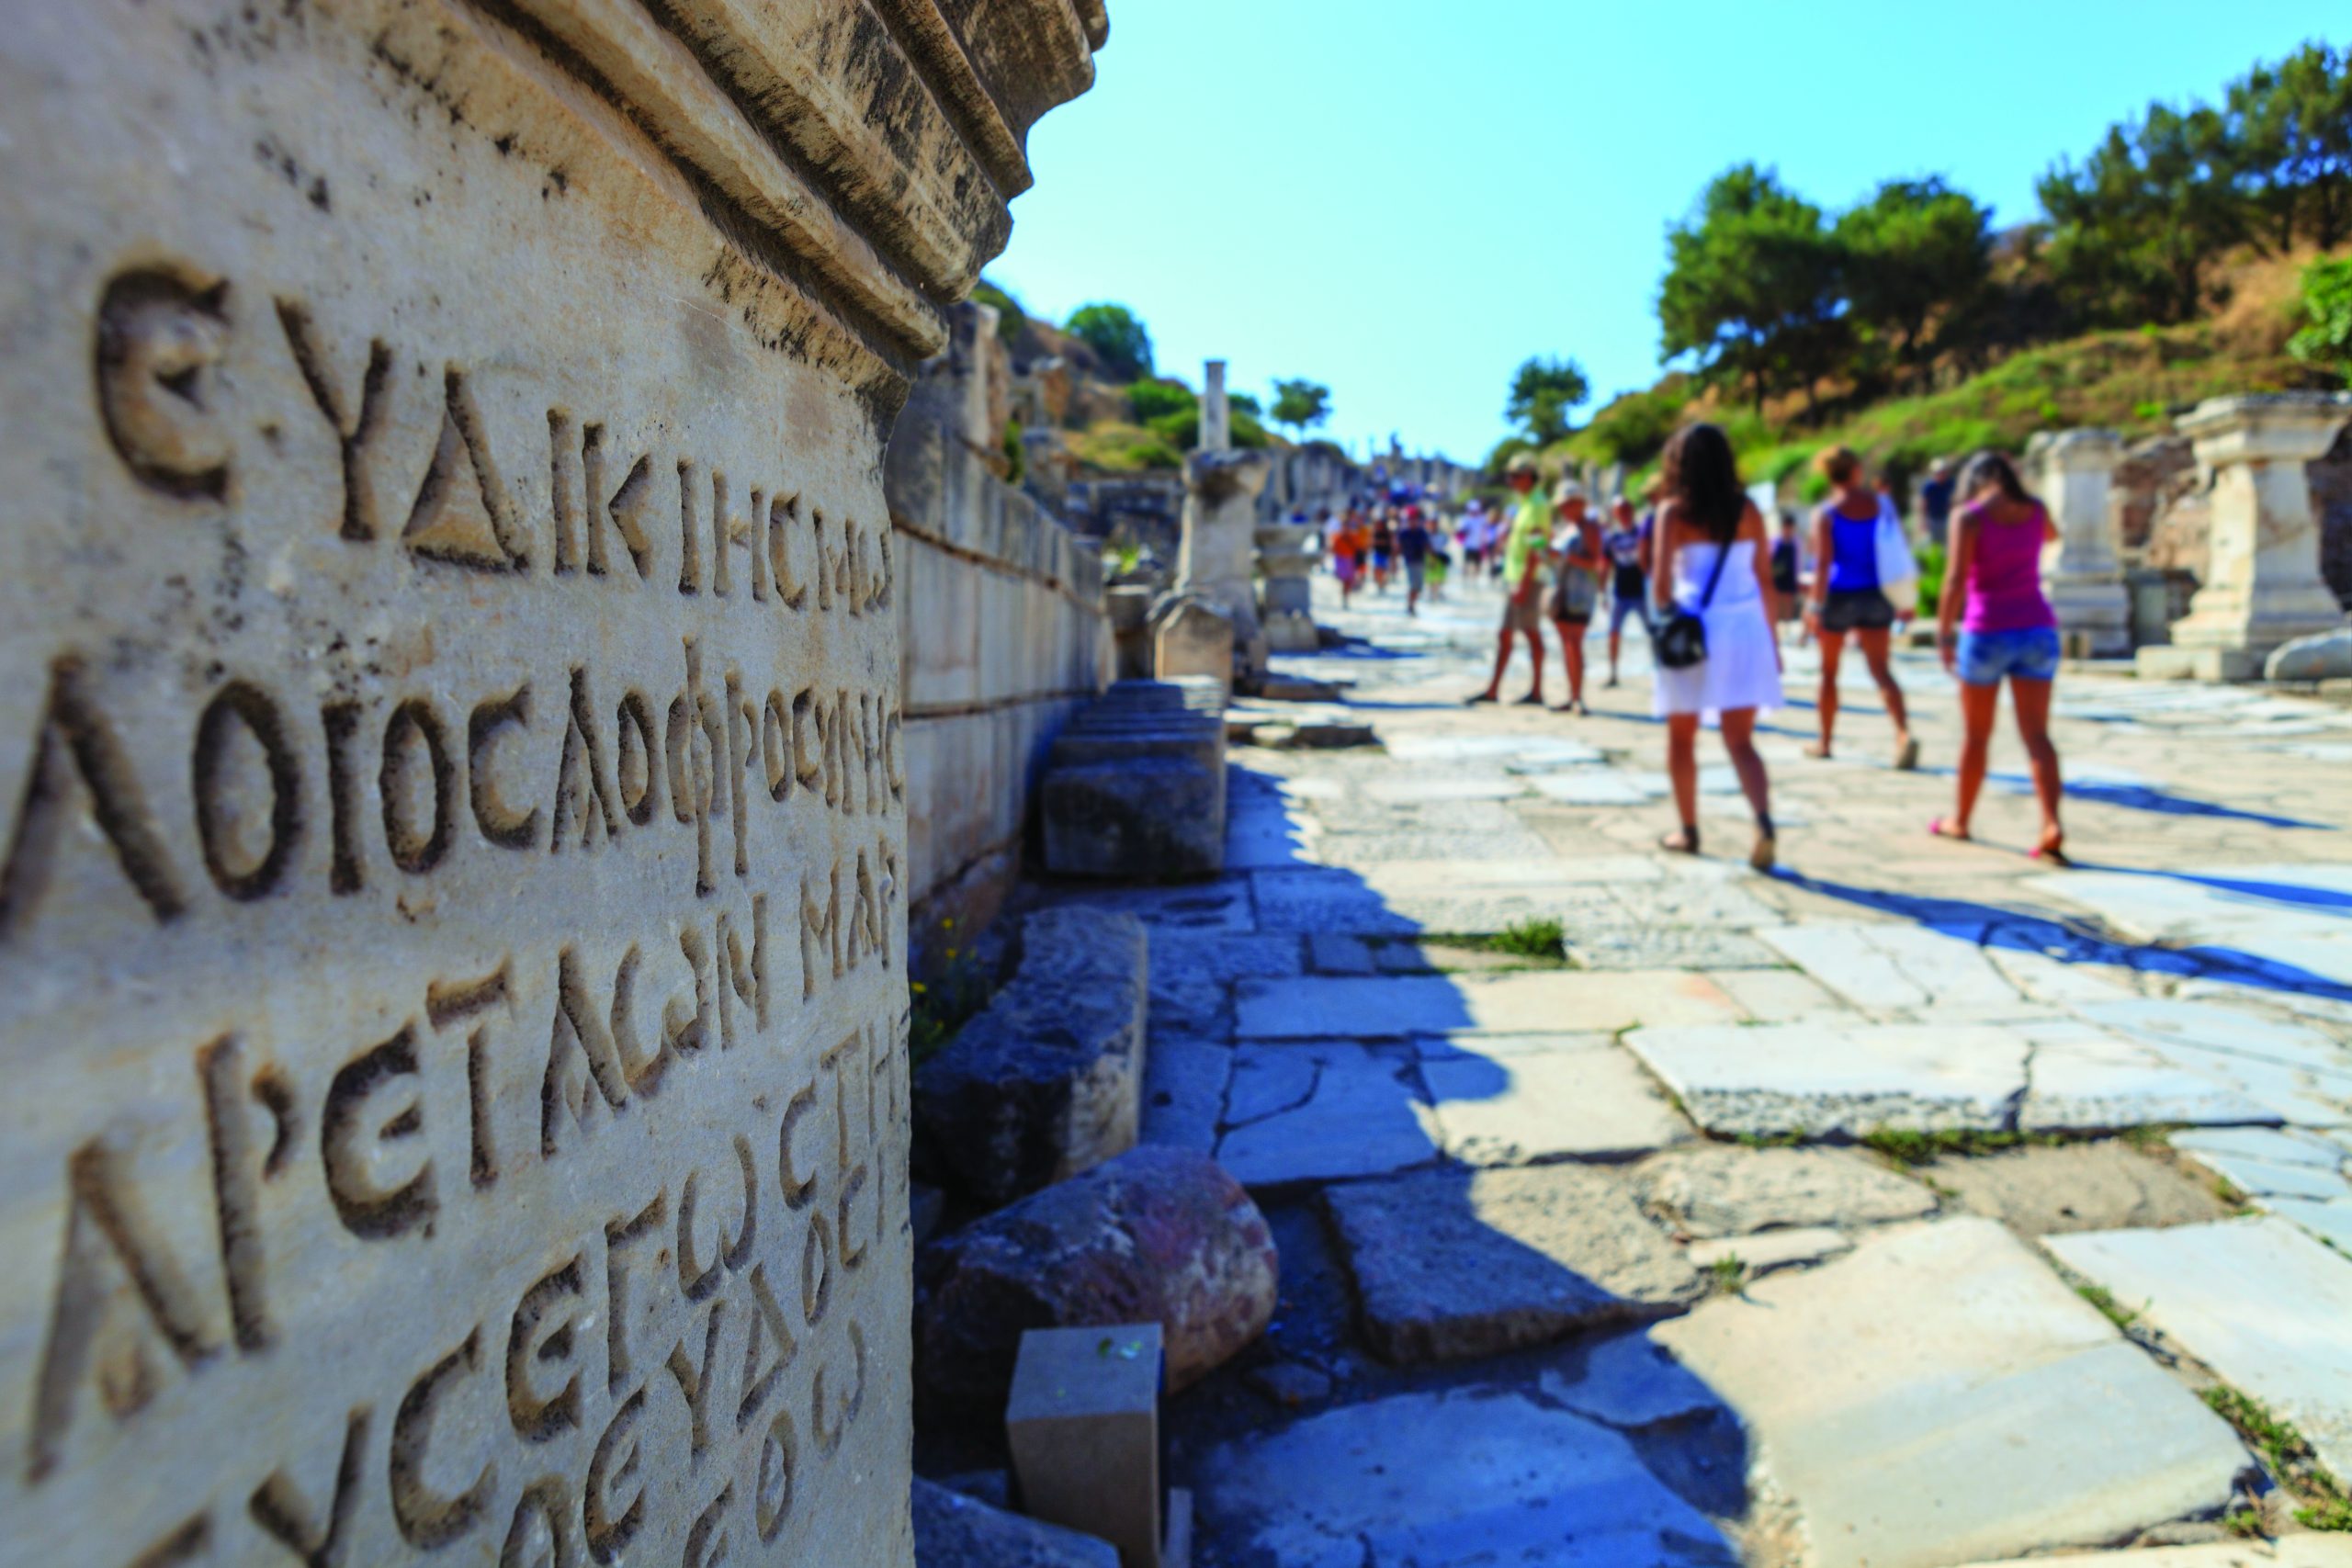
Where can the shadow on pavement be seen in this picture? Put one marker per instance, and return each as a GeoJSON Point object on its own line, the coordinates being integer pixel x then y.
{"type": "Point", "coordinates": [1474, 1395]}
{"type": "Point", "coordinates": [2072, 941]}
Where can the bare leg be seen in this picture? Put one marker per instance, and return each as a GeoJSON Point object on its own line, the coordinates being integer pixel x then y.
{"type": "Point", "coordinates": [1739, 745]}
{"type": "Point", "coordinates": [1616, 639]}
{"type": "Point", "coordinates": [1572, 656]}
{"type": "Point", "coordinates": [2031, 700]}
{"type": "Point", "coordinates": [1833, 647]}
{"type": "Point", "coordinates": [1502, 662]}
{"type": "Point", "coordinates": [1874, 652]}
{"type": "Point", "coordinates": [1535, 655]}
{"type": "Point", "coordinates": [1978, 706]}
{"type": "Point", "coordinates": [1682, 771]}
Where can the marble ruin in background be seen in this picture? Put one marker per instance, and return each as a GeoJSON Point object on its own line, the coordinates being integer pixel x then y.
{"type": "Point", "coordinates": [452, 914]}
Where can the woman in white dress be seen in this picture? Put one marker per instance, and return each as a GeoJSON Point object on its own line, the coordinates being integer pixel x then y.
{"type": "Point", "coordinates": [1709, 556]}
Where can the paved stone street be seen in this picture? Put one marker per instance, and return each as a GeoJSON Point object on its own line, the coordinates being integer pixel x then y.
{"type": "Point", "coordinates": [1898, 1208]}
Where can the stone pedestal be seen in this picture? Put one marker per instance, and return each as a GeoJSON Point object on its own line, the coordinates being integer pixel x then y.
{"type": "Point", "coordinates": [1217, 560]}
{"type": "Point", "coordinates": [1189, 635]}
{"type": "Point", "coordinates": [2262, 582]}
{"type": "Point", "coordinates": [1286, 587]}
{"type": "Point", "coordinates": [454, 769]}
{"type": "Point", "coordinates": [2082, 574]}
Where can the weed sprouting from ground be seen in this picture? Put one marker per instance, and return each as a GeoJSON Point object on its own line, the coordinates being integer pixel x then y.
{"type": "Point", "coordinates": [1905, 1146]}
{"type": "Point", "coordinates": [2289, 1455]}
{"type": "Point", "coordinates": [2123, 1316]}
{"type": "Point", "coordinates": [1539, 937]}
{"type": "Point", "coordinates": [944, 1003]}
{"type": "Point", "coordinates": [1727, 1274]}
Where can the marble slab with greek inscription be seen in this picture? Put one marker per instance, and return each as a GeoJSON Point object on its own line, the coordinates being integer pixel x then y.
{"type": "Point", "coordinates": [453, 850]}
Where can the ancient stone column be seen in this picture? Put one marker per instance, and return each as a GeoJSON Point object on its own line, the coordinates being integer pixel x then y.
{"type": "Point", "coordinates": [2083, 578]}
{"type": "Point", "coordinates": [453, 822]}
{"type": "Point", "coordinates": [1216, 415]}
{"type": "Point", "coordinates": [1218, 557]}
{"type": "Point", "coordinates": [2262, 582]}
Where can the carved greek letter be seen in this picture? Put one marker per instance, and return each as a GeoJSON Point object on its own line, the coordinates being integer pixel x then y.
{"type": "Point", "coordinates": [427, 1518]}
{"type": "Point", "coordinates": [355, 1141]}
{"type": "Point", "coordinates": [355, 435]}
{"type": "Point", "coordinates": [161, 339]}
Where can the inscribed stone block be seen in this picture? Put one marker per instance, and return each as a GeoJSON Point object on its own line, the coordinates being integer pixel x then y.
{"type": "Point", "coordinates": [453, 880]}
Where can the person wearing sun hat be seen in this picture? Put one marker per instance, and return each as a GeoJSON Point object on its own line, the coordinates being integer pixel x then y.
{"type": "Point", "coordinates": [1525, 543]}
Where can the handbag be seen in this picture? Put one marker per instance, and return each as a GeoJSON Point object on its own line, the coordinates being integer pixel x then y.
{"type": "Point", "coordinates": [1898, 571]}
{"type": "Point", "coordinates": [1682, 641]}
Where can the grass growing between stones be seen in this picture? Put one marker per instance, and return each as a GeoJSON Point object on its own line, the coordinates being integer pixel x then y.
{"type": "Point", "coordinates": [1905, 1147]}
{"type": "Point", "coordinates": [2290, 1457]}
{"type": "Point", "coordinates": [1727, 1274]}
{"type": "Point", "coordinates": [1538, 937]}
{"type": "Point", "coordinates": [1539, 942]}
{"type": "Point", "coordinates": [2115, 1311]}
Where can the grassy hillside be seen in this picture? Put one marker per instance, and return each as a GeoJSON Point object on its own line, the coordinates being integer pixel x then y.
{"type": "Point", "coordinates": [2131, 382]}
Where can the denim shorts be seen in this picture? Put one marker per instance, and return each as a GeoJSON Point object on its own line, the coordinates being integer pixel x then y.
{"type": "Point", "coordinates": [2030, 654]}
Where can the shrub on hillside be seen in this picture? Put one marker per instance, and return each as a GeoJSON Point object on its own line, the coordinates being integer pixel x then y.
{"type": "Point", "coordinates": [1117, 338]}
{"type": "Point", "coordinates": [1155, 399]}
{"type": "Point", "coordinates": [1119, 448]}
{"type": "Point", "coordinates": [2325, 339]}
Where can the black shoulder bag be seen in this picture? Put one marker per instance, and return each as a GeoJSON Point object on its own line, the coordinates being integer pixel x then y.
{"type": "Point", "coordinates": [1682, 641]}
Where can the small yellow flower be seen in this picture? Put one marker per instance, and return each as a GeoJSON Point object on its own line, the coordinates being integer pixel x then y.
{"type": "Point", "coordinates": [951, 956]}
{"type": "Point", "coordinates": [917, 986]}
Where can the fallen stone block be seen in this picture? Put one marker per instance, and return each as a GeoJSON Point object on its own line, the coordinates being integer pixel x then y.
{"type": "Point", "coordinates": [953, 1530]}
{"type": "Point", "coordinates": [1297, 689]}
{"type": "Point", "coordinates": [1324, 734]}
{"type": "Point", "coordinates": [1083, 1427]}
{"type": "Point", "coordinates": [1450, 1265]}
{"type": "Point", "coordinates": [2326, 656]}
{"type": "Point", "coordinates": [1158, 1235]}
{"type": "Point", "coordinates": [1145, 819]}
{"type": "Point", "coordinates": [1046, 1080]}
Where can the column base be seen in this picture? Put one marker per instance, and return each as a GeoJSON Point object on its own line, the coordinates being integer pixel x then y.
{"type": "Point", "coordinates": [2174, 663]}
{"type": "Point", "coordinates": [2094, 616]}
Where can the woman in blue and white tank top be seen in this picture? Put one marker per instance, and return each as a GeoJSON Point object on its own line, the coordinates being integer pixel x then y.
{"type": "Point", "coordinates": [1849, 600]}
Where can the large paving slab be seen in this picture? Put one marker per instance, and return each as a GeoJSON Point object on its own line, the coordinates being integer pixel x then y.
{"type": "Point", "coordinates": [1887, 968]}
{"type": "Point", "coordinates": [2290, 1551]}
{"type": "Point", "coordinates": [1450, 1264]}
{"type": "Point", "coordinates": [1720, 1190]}
{"type": "Point", "coordinates": [1183, 1092]}
{"type": "Point", "coordinates": [2078, 1187]}
{"type": "Point", "coordinates": [2259, 1301]}
{"type": "Point", "coordinates": [1540, 1001]}
{"type": "Point", "coordinates": [1937, 1395]}
{"type": "Point", "coordinates": [1468, 1478]}
{"type": "Point", "coordinates": [2086, 1079]}
{"type": "Point", "coordinates": [1322, 1110]}
{"type": "Point", "coordinates": [1770, 1080]}
{"type": "Point", "coordinates": [1559, 1096]}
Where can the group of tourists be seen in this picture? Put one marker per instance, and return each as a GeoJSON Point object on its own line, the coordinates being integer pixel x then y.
{"type": "Point", "coordinates": [1378, 543]}
{"type": "Point", "coordinates": [1709, 585]}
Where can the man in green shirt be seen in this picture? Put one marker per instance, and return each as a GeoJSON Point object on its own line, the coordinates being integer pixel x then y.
{"type": "Point", "coordinates": [1529, 537]}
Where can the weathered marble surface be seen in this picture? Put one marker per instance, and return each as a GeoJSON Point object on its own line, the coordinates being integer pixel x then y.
{"type": "Point", "coordinates": [452, 920]}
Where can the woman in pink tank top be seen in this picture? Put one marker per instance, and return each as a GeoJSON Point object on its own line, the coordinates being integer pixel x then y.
{"type": "Point", "coordinates": [1994, 623]}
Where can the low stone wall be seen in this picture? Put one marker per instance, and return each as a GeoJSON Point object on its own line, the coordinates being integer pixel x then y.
{"type": "Point", "coordinates": [1003, 634]}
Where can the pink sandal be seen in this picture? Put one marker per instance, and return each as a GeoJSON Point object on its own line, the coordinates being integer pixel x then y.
{"type": "Point", "coordinates": [1944, 829]}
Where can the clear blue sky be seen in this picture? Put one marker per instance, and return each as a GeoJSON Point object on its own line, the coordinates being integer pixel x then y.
{"type": "Point", "coordinates": [1404, 201]}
